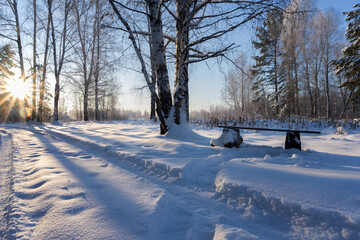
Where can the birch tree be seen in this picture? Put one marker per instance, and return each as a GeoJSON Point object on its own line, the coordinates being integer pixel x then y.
{"type": "Point", "coordinates": [44, 67]}
{"type": "Point", "coordinates": [159, 59]}
{"type": "Point", "coordinates": [198, 24]}
{"type": "Point", "coordinates": [201, 27]}
{"type": "Point", "coordinates": [163, 97]}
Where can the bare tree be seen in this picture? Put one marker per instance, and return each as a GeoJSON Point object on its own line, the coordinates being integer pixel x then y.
{"type": "Point", "coordinates": [329, 38]}
{"type": "Point", "coordinates": [163, 99]}
{"type": "Point", "coordinates": [97, 58]}
{"type": "Point", "coordinates": [159, 59]}
{"type": "Point", "coordinates": [33, 110]}
{"type": "Point", "coordinates": [305, 19]}
{"type": "Point", "coordinates": [12, 24]}
{"type": "Point", "coordinates": [60, 46]}
{"type": "Point", "coordinates": [291, 53]}
{"type": "Point", "coordinates": [207, 23]}
{"type": "Point", "coordinates": [42, 89]}
{"type": "Point", "coordinates": [86, 30]}
{"type": "Point", "coordinates": [237, 92]}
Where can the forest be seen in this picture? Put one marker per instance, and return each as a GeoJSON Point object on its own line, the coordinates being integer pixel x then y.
{"type": "Point", "coordinates": [303, 66]}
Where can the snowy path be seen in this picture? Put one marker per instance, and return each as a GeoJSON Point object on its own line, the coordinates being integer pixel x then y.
{"type": "Point", "coordinates": [65, 192]}
{"type": "Point", "coordinates": [74, 192]}
{"type": "Point", "coordinates": [5, 179]}
{"type": "Point", "coordinates": [124, 181]}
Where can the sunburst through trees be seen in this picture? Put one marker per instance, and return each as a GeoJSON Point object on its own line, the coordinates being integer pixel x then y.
{"type": "Point", "coordinates": [14, 92]}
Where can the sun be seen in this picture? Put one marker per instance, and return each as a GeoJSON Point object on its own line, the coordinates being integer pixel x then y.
{"type": "Point", "coordinates": [17, 88]}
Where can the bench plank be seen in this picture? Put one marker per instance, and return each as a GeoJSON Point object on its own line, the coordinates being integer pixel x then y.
{"type": "Point", "coordinates": [270, 129]}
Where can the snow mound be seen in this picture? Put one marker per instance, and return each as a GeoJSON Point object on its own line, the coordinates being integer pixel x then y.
{"type": "Point", "coordinates": [226, 232]}
{"type": "Point", "coordinates": [301, 194]}
{"type": "Point", "coordinates": [229, 138]}
{"type": "Point", "coordinates": [184, 132]}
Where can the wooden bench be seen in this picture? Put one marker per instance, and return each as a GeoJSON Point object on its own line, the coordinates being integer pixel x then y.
{"type": "Point", "coordinates": [292, 136]}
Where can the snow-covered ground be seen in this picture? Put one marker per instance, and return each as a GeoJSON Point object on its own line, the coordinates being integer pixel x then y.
{"type": "Point", "coordinates": [124, 181]}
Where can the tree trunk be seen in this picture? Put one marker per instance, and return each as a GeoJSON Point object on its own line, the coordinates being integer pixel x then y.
{"type": "Point", "coordinates": [33, 110]}
{"type": "Point", "coordinates": [153, 101]}
{"type": "Point", "coordinates": [87, 44]}
{"type": "Point", "coordinates": [317, 90]}
{"type": "Point", "coordinates": [86, 100]}
{"type": "Point", "coordinates": [97, 113]}
{"type": "Point", "coordinates": [58, 64]}
{"type": "Point", "coordinates": [242, 92]}
{"type": "Point", "coordinates": [290, 97]}
{"type": "Point", "coordinates": [80, 110]}
{"type": "Point", "coordinates": [97, 62]}
{"type": "Point", "coordinates": [317, 98]}
{"type": "Point", "coordinates": [18, 39]}
{"type": "Point", "coordinates": [296, 88]}
{"type": "Point", "coordinates": [159, 59]}
{"type": "Point", "coordinates": [181, 92]}
{"type": "Point", "coordinates": [327, 86]}
{"type": "Point", "coordinates": [153, 74]}
{"type": "Point", "coordinates": [311, 100]}
{"type": "Point", "coordinates": [57, 75]}
{"type": "Point", "coordinates": [277, 109]}
{"type": "Point", "coordinates": [56, 99]}
{"type": "Point", "coordinates": [164, 86]}
{"type": "Point", "coordinates": [43, 79]}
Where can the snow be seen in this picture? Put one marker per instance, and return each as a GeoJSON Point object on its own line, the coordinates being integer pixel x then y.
{"type": "Point", "coordinates": [5, 178]}
{"type": "Point", "coordinates": [123, 180]}
{"type": "Point", "coordinates": [228, 138]}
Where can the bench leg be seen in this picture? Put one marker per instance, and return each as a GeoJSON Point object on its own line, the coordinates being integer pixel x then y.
{"type": "Point", "coordinates": [293, 140]}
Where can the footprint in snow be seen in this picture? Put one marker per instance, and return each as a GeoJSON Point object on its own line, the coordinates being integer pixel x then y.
{"type": "Point", "coordinates": [37, 185]}
{"type": "Point", "coordinates": [75, 210]}
{"type": "Point", "coordinates": [72, 196]}
{"type": "Point", "coordinates": [29, 196]}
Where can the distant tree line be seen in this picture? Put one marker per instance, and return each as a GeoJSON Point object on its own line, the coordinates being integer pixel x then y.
{"type": "Point", "coordinates": [293, 71]}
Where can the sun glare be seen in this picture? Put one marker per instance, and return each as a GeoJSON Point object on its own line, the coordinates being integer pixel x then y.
{"type": "Point", "coordinates": [17, 88]}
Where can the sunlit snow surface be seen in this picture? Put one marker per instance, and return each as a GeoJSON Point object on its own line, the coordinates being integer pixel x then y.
{"type": "Point", "coordinates": [123, 180]}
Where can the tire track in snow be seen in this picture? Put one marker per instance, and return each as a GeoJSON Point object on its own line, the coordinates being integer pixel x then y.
{"type": "Point", "coordinates": [6, 182]}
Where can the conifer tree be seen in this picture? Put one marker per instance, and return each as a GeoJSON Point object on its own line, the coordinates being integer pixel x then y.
{"type": "Point", "coordinates": [349, 64]}
{"type": "Point", "coordinates": [267, 64]}
{"type": "Point", "coordinates": [6, 61]}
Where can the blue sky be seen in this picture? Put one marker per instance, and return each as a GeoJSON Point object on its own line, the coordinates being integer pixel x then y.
{"type": "Point", "coordinates": [206, 79]}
